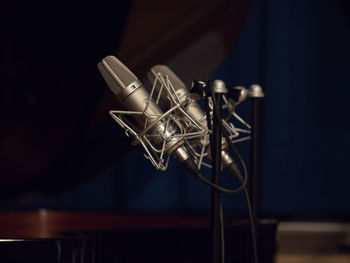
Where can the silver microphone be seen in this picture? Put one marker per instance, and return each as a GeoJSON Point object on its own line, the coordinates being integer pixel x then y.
{"type": "Point", "coordinates": [192, 107]}
{"type": "Point", "coordinates": [132, 95]}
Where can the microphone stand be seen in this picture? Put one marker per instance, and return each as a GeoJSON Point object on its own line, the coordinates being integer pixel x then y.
{"type": "Point", "coordinates": [256, 94]}
{"type": "Point", "coordinates": [218, 89]}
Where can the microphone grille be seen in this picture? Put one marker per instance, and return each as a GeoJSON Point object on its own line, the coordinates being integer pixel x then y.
{"type": "Point", "coordinates": [164, 70]}
{"type": "Point", "coordinates": [116, 74]}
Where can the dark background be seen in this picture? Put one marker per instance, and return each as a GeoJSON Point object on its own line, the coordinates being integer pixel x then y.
{"type": "Point", "coordinates": [60, 150]}
{"type": "Point", "coordinates": [299, 51]}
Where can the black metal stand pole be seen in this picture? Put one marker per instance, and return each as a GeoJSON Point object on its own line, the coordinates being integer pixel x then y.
{"type": "Point", "coordinates": [256, 95]}
{"type": "Point", "coordinates": [215, 194]}
{"type": "Point", "coordinates": [255, 160]}
{"type": "Point", "coordinates": [218, 89]}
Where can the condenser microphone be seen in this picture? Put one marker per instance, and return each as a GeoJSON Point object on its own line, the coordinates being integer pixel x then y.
{"type": "Point", "coordinates": [193, 108]}
{"type": "Point", "coordinates": [132, 95]}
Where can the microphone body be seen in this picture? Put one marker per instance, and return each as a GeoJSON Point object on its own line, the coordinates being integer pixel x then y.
{"type": "Point", "coordinates": [193, 108]}
{"type": "Point", "coordinates": [132, 95]}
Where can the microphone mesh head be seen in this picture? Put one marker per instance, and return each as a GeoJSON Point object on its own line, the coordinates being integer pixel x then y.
{"type": "Point", "coordinates": [164, 70]}
{"type": "Point", "coordinates": [116, 74]}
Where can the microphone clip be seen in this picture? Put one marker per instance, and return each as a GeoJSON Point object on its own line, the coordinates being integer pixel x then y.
{"type": "Point", "coordinates": [199, 88]}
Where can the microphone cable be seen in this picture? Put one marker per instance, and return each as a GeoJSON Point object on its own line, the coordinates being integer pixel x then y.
{"type": "Point", "coordinates": [234, 171]}
{"type": "Point", "coordinates": [238, 175]}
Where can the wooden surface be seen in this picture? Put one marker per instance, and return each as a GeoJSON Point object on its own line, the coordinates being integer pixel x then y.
{"type": "Point", "coordinates": [51, 224]}
{"type": "Point", "coordinates": [313, 242]}
{"type": "Point", "coordinates": [312, 258]}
